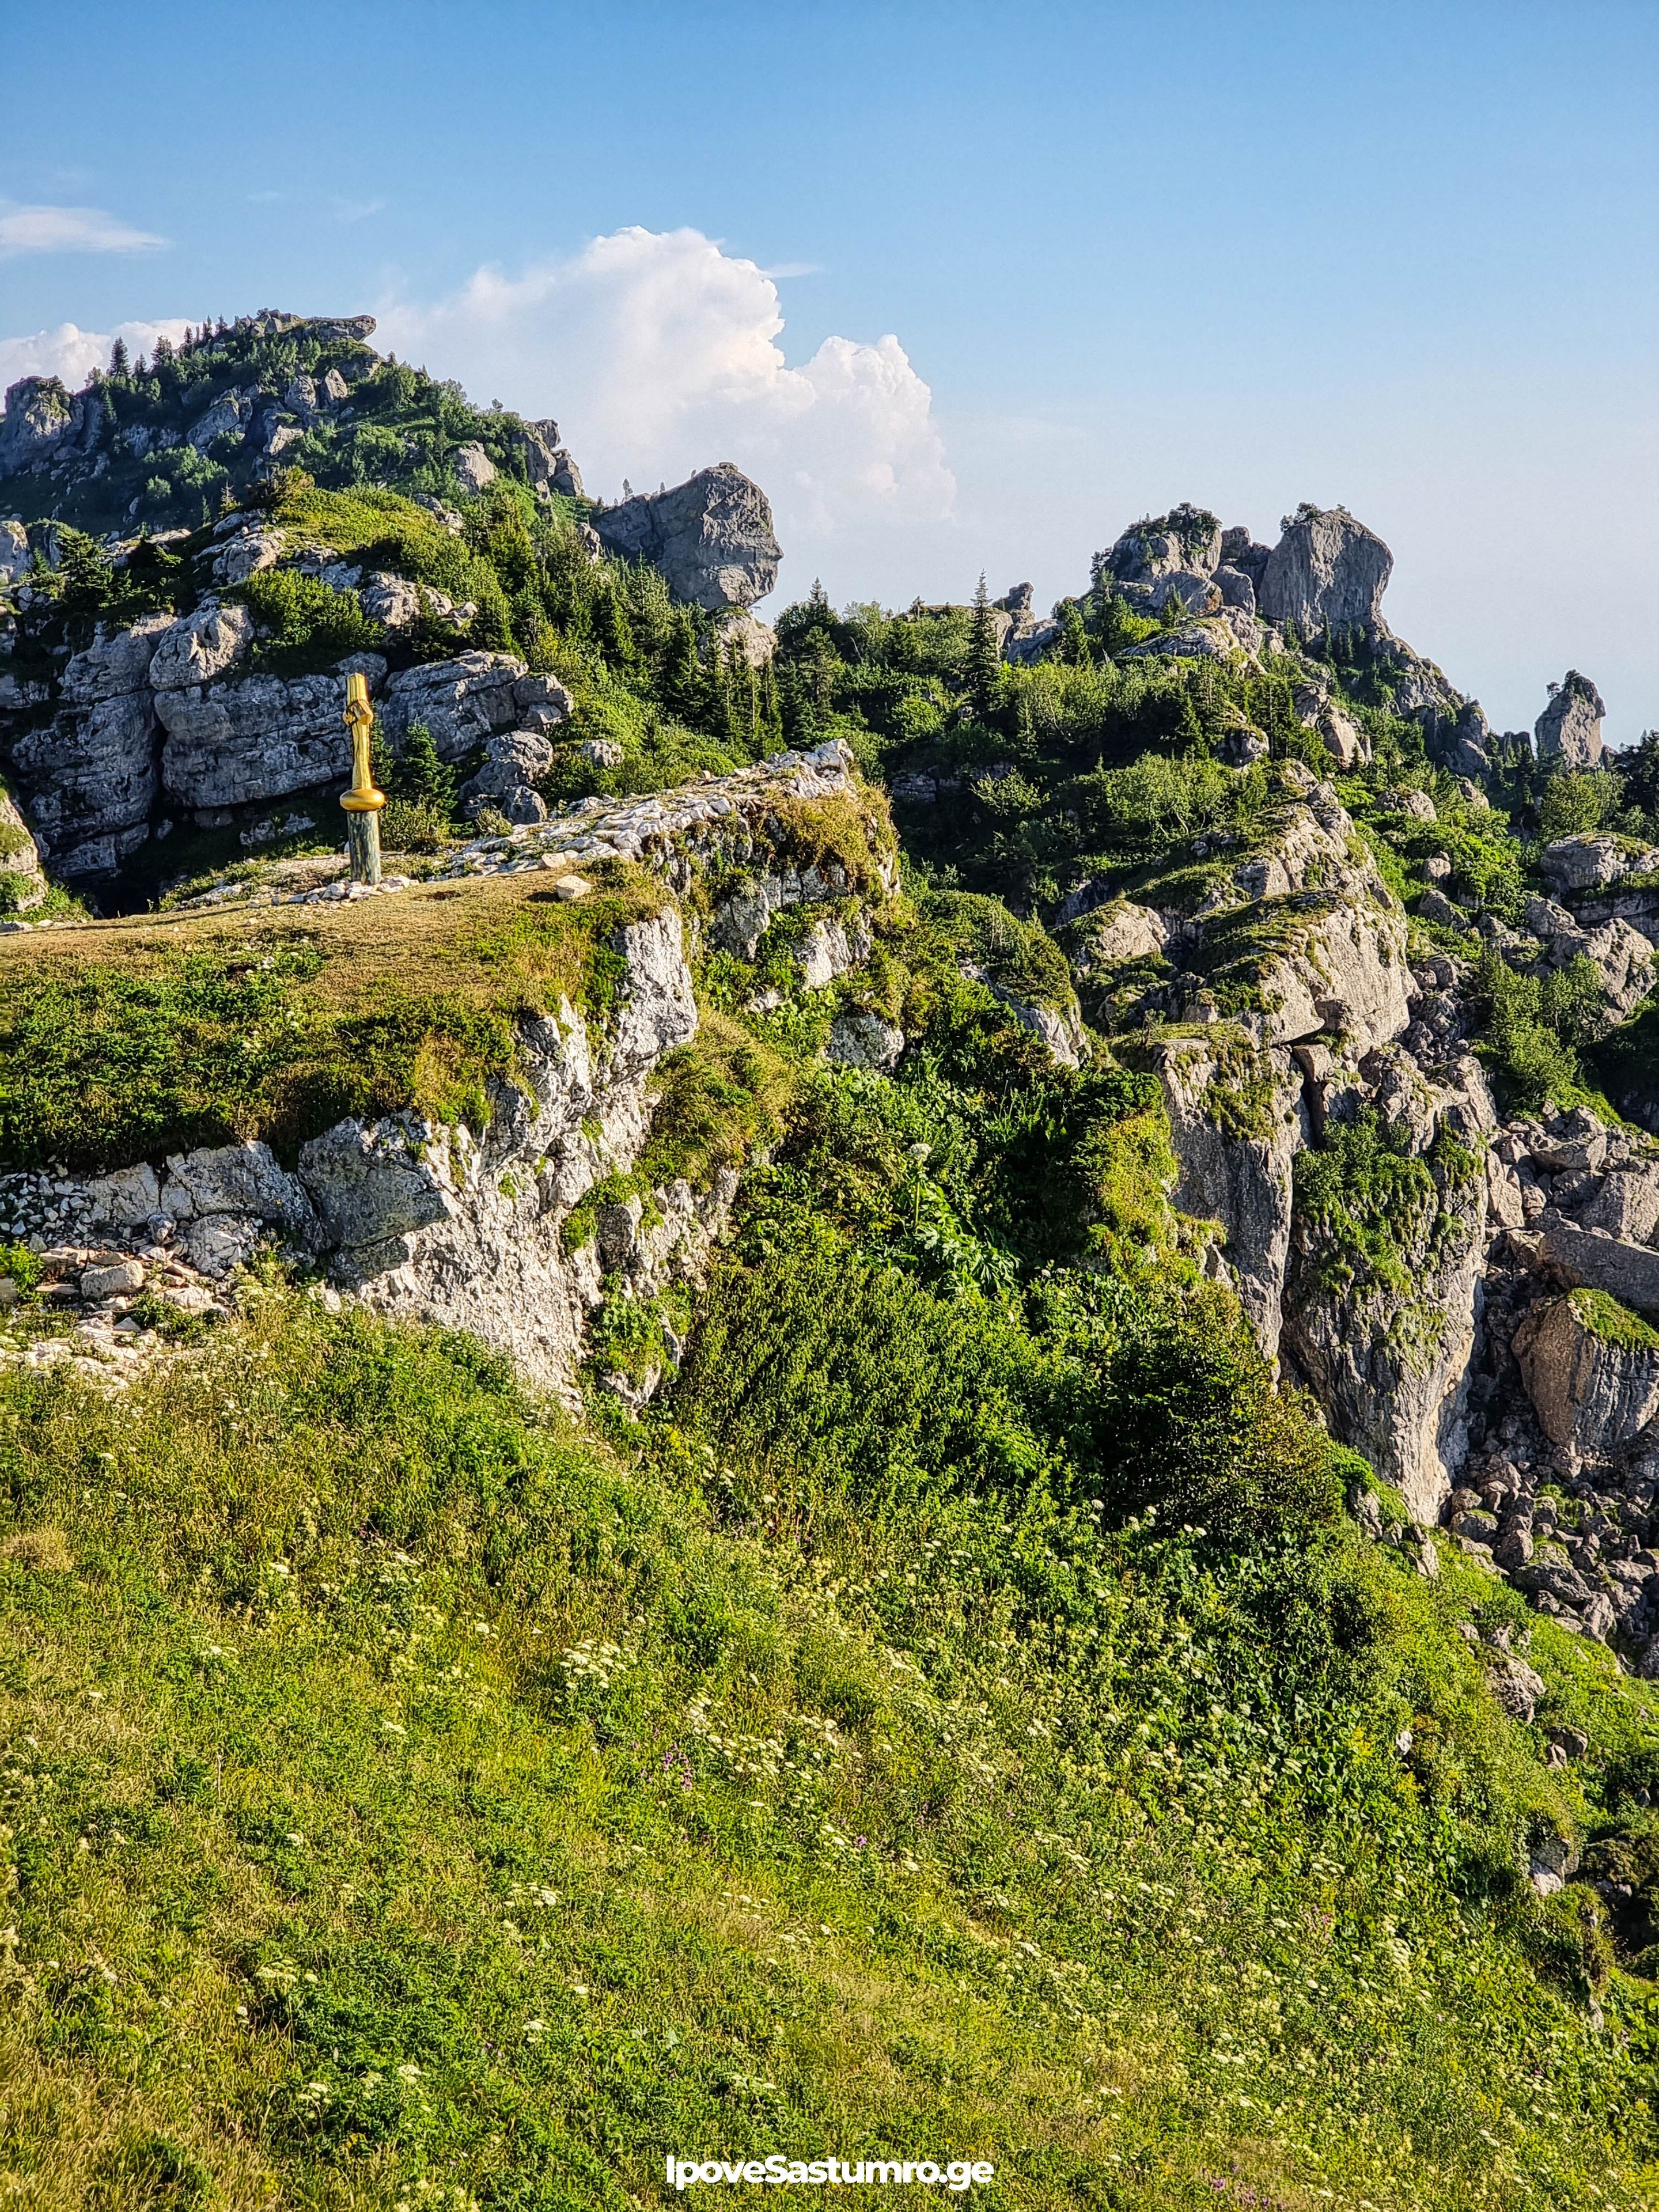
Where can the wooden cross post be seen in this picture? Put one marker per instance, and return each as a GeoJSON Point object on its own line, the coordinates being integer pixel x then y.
{"type": "Point", "coordinates": [362, 803]}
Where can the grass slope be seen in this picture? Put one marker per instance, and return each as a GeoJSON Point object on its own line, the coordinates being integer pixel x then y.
{"type": "Point", "coordinates": [121, 1039]}
{"type": "Point", "coordinates": [408, 1799]}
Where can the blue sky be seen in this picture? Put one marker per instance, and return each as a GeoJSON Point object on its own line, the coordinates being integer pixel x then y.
{"type": "Point", "coordinates": [1398, 256]}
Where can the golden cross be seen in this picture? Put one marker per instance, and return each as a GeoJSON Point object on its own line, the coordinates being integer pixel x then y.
{"type": "Point", "coordinates": [359, 719]}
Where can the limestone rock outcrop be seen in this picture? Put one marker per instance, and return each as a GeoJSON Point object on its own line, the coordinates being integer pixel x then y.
{"type": "Point", "coordinates": [43, 423]}
{"type": "Point", "coordinates": [1568, 731]}
{"type": "Point", "coordinates": [711, 537]}
{"type": "Point", "coordinates": [1185, 542]}
{"type": "Point", "coordinates": [1592, 858]}
{"type": "Point", "coordinates": [1233, 1119]}
{"type": "Point", "coordinates": [1326, 571]}
{"type": "Point", "coordinates": [158, 715]}
{"type": "Point", "coordinates": [1387, 1354]}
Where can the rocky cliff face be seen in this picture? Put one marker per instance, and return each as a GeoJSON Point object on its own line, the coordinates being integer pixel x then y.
{"type": "Point", "coordinates": [472, 1228]}
{"type": "Point", "coordinates": [160, 720]}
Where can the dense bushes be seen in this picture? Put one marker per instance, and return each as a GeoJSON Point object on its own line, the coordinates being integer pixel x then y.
{"type": "Point", "coordinates": [303, 625]}
{"type": "Point", "coordinates": [1532, 1029]}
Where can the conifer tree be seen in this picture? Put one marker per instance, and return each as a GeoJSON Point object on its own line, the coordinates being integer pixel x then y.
{"type": "Point", "coordinates": [771, 709]}
{"type": "Point", "coordinates": [983, 663]}
{"type": "Point", "coordinates": [728, 701]}
{"type": "Point", "coordinates": [682, 684]}
{"type": "Point", "coordinates": [117, 358]}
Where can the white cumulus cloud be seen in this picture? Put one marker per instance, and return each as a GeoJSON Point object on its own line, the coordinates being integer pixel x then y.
{"type": "Point", "coordinates": [37, 229]}
{"type": "Point", "coordinates": [71, 353]}
{"type": "Point", "coordinates": [658, 353]}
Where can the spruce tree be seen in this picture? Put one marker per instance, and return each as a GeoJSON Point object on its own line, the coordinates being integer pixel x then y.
{"type": "Point", "coordinates": [420, 776]}
{"type": "Point", "coordinates": [117, 358]}
{"type": "Point", "coordinates": [1074, 639]}
{"type": "Point", "coordinates": [984, 668]}
{"type": "Point", "coordinates": [771, 709]}
{"type": "Point", "coordinates": [682, 684]}
{"type": "Point", "coordinates": [725, 702]}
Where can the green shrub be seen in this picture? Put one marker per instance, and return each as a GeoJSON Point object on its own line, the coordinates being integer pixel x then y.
{"type": "Point", "coordinates": [1532, 1031]}
{"type": "Point", "coordinates": [305, 625]}
{"type": "Point", "coordinates": [1575, 800]}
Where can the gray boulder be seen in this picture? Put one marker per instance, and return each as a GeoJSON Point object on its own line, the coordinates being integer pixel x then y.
{"type": "Point", "coordinates": [227, 418]}
{"type": "Point", "coordinates": [1518, 1688]}
{"type": "Point", "coordinates": [1317, 710]}
{"type": "Point", "coordinates": [747, 635]}
{"type": "Point", "coordinates": [1626, 1271]}
{"type": "Point", "coordinates": [828, 949]}
{"type": "Point", "coordinates": [218, 1243]}
{"type": "Point", "coordinates": [246, 554]}
{"type": "Point", "coordinates": [1236, 586]}
{"type": "Point", "coordinates": [1568, 731]}
{"type": "Point", "coordinates": [473, 467]}
{"type": "Point", "coordinates": [1194, 592]}
{"type": "Point", "coordinates": [371, 1182]}
{"type": "Point", "coordinates": [711, 537]}
{"type": "Point", "coordinates": [462, 701]}
{"type": "Point", "coordinates": [1592, 858]}
{"type": "Point", "coordinates": [1626, 1205]}
{"type": "Point", "coordinates": [514, 761]}
{"type": "Point", "coordinates": [547, 464]}
{"type": "Point", "coordinates": [1240, 552]}
{"type": "Point", "coordinates": [237, 1180]}
{"type": "Point", "coordinates": [1120, 932]}
{"type": "Point", "coordinates": [201, 645]}
{"type": "Point", "coordinates": [1326, 570]}
{"type": "Point", "coordinates": [1587, 1388]}
{"type": "Point", "coordinates": [112, 664]}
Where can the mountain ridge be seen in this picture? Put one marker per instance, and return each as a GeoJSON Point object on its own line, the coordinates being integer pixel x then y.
{"type": "Point", "coordinates": [918, 1394]}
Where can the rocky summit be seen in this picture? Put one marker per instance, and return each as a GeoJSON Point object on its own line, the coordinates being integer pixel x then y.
{"type": "Point", "coordinates": [936, 1337]}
